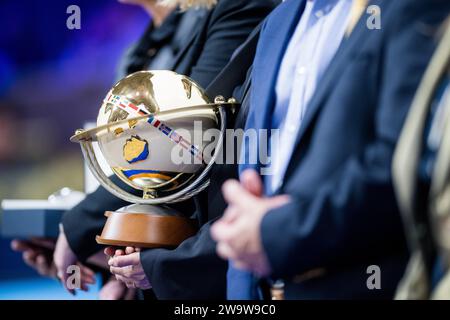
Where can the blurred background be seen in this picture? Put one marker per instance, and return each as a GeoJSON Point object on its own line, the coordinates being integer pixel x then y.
{"type": "Point", "coordinates": [52, 80]}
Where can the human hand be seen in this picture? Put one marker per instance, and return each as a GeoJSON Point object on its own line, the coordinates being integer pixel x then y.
{"type": "Point", "coordinates": [38, 254]}
{"type": "Point", "coordinates": [238, 232]}
{"type": "Point", "coordinates": [63, 258]}
{"type": "Point", "coordinates": [126, 266]}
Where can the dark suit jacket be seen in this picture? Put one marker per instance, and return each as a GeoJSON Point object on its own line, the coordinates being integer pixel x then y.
{"type": "Point", "coordinates": [192, 271]}
{"type": "Point", "coordinates": [343, 216]}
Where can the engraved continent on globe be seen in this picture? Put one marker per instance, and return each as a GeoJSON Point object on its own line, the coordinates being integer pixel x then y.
{"type": "Point", "coordinates": [135, 150]}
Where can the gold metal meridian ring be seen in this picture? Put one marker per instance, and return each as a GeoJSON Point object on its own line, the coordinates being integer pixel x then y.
{"type": "Point", "coordinates": [84, 135]}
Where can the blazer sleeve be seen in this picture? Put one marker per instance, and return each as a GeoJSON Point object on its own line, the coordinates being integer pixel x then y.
{"type": "Point", "coordinates": [355, 210]}
{"type": "Point", "coordinates": [229, 26]}
{"type": "Point", "coordinates": [191, 271]}
{"type": "Point", "coordinates": [85, 221]}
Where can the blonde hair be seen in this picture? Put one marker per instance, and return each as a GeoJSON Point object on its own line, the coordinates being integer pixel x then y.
{"type": "Point", "coordinates": [186, 4]}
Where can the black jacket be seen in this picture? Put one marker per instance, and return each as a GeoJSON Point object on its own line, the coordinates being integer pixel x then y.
{"type": "Point", "coordinates": [192, 271]}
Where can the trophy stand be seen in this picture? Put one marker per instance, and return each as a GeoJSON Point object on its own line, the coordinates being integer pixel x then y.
{"type": "Point", "coordinates": [159, 227]}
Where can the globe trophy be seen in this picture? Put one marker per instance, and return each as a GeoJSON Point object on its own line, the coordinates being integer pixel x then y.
{"type": "Point", "coordinates": [146, 119]}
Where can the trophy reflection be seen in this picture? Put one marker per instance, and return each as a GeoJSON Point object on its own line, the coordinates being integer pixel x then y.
{"type": "Point", "coordinates": [146, 120]}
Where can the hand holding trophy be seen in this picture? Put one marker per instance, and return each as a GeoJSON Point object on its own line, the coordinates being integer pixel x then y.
{"type": "Point", "coordinates": [145, 130]}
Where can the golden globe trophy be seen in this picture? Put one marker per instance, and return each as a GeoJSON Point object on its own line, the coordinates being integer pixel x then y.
{"type": "Point", "coordinates": [146, 119]}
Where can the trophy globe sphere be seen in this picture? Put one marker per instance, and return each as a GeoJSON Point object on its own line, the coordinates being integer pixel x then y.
{"type": "Point", "coordinates": [150, 131]}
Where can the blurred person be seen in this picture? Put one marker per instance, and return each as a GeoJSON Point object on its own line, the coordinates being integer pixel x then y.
{"type": "Point", "coordinates": [211, 42]}
{"type": "Point", "coordinates": [421, 173]}
{"type": "Point", "coordinates": [37, 253]}
{"type": "Point", "coordinates": [328, 212]}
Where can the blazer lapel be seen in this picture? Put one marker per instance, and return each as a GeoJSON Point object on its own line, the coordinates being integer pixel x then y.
{"type": "Point", "coordinates": [332, 75]}
{"type": "Point", "coordinates": [272, 45]}
{"type": "Point", "coordinates": [275, 35]}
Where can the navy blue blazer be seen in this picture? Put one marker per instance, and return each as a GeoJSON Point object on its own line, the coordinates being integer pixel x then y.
{"type": "Point", "coordinates": [343, 216]}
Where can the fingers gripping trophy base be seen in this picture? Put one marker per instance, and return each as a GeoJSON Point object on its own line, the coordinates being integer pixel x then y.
{"type": "Point", "coordinates": [145, 227]}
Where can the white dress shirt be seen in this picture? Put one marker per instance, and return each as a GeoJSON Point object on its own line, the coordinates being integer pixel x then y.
{"type": "Point", "coordinates": [313, 45]}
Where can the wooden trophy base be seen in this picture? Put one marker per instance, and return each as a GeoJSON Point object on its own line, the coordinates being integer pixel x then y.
{"type": "Point", "coordinates": [145, 230]}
